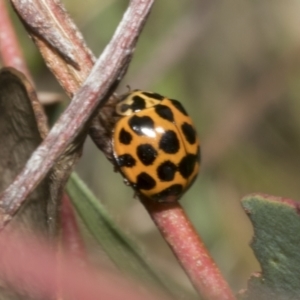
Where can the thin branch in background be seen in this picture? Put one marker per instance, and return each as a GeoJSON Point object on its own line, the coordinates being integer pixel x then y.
{"type": "Point", "coordinates": [178, 41]}
{"type": "Point", "coordinates": [11, 53]}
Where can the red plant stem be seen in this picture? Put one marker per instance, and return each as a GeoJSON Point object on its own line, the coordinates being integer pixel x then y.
{"type": "Point", "coordinates": [189, 249]}
{"type": "Point", "coordinates": [71, 239]}
{"type": "Point", "coordinates": [10, 51]}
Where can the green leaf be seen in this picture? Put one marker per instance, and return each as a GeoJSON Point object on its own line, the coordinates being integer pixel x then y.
{"type": "Point", "coordinates": [276, 245]}
{"type": "Point", "coordinates": [126, 254]}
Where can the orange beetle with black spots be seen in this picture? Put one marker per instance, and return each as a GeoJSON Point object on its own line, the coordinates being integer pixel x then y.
{"type": "Point", "coordinates": [155, 145]}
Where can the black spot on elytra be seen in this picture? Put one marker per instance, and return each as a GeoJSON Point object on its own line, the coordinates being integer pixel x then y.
{"type": "Point", "coordinates": [166, 171]}
{"type": "Point", "coordinates": [189, 133]}
{"type": "Point", "coordinates": [169, 142]}
{"type": "Point", "coordinates": [153, 95]}
{"type": "Point", "coordinates": [174, 190]}
{"type": "Point", "coordinates": [179, 106]}
{"type": "Point", "coordinates": [138, 103]}
{"type": "Point", "coordinates": [125, 137]}
{"type": "Point", "coordinates": [187, 165]}
{"type": "Point", "coordinates": [145, 182]}
{"type": "Point", "coordinates": [125, 160]}
{"type": "Point", "coordinates": [137, 124]}
{"type": "Point", "coordinates": [146, 153]}
{"type": "Point", "coordinates": [164, 112]}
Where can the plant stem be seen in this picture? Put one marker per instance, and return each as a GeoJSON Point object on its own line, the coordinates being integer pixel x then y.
{"type": "Point", "coordinates": [10, 51]}
{"type": "Point", "coordinates": [189, 249]}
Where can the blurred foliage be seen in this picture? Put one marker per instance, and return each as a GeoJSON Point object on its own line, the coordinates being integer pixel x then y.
{"type": "Point", "coordinates": [216, 57]}
{"type": "Point", "coordinates": [108, 237]}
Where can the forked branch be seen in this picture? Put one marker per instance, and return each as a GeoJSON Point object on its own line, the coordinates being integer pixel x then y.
{"type": "Point", "coordinates": [104, 77]}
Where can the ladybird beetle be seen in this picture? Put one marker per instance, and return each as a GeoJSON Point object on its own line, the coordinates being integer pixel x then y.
{"type": "Point", "coordinates": [155, 145]}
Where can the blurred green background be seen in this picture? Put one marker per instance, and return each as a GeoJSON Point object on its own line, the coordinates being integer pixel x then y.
{"type": "Point", "coordinates": [235, 67]}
